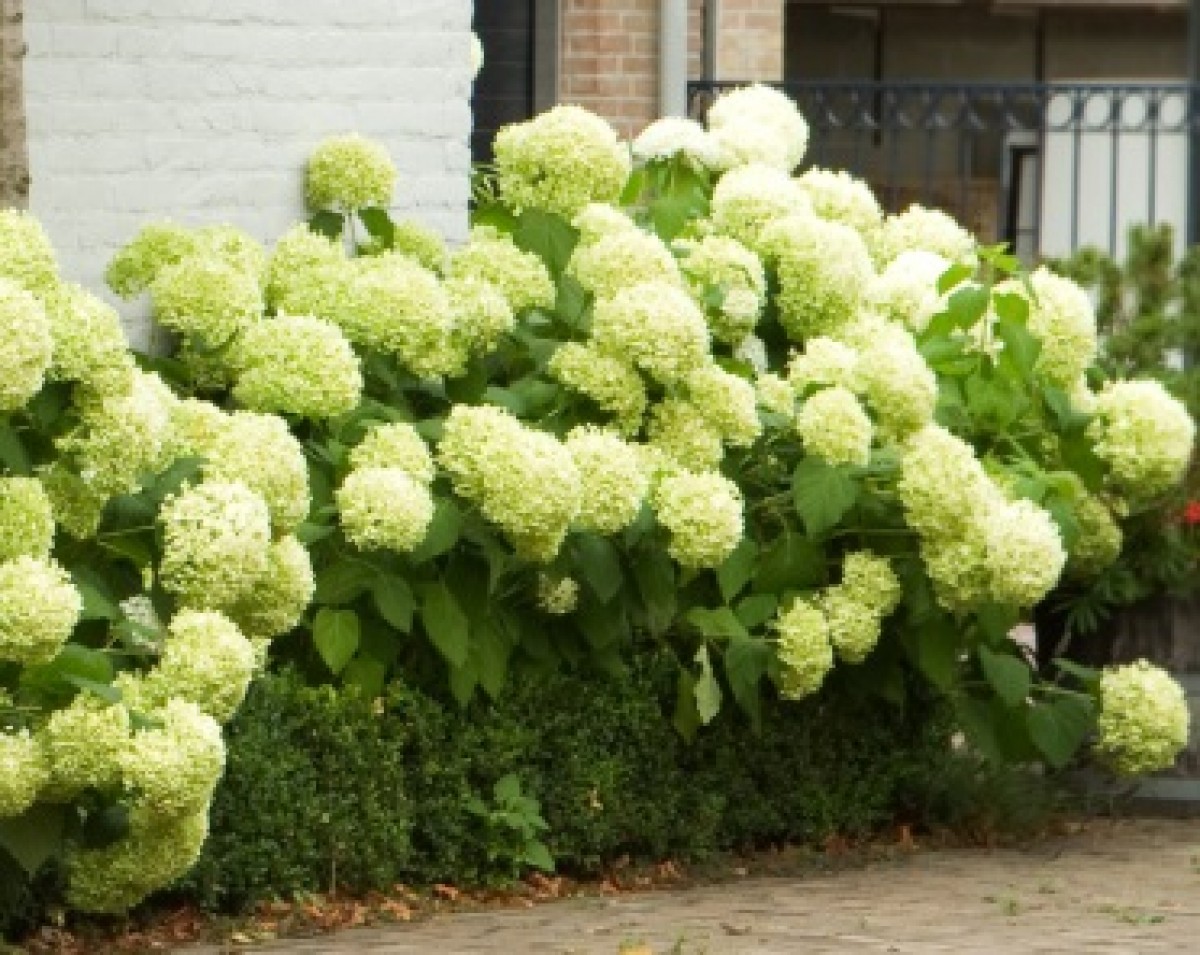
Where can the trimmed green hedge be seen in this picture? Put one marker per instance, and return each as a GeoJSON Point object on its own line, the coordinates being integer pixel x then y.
{"type": "Point", "coordinates": [323, 787]}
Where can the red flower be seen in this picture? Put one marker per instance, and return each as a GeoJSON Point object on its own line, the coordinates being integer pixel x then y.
{"type": "Point", "coordinates": [1191, 513]}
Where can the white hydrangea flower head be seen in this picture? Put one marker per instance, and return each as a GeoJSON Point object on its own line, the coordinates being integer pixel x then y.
{"type": "Point", "coordinates": [557, 596]}
{"type": "Point", "coordinates": [1143, 434]}
{"type": "Point", "coordinates": [824, 361]}
{"type": "Point", "coordinates": [395, 445]}
{"type": "Point", "coordinates": [824, 270]}
{"type": "Point", "coordinates": [238, 455]}
{"type": "Point", "coordinates": [804, 649]}
{"type": "Point", "coordinates": [607, 380]}
{"type": "Point", "coordinates": [205, 660]}
{"type": "Point", "coordinates": [174, 767]}
{"type": "Point", "coordinates": [1100, 538]}
{"type": "Point", "coordinates": [1144, 719]}
{"type": "Point", "coordinates": [720, 265]}
{"type": "Point", "coordinates": [746, 199]}
{"type": "Point", "coordinates": [872, 581]}
{"type": "Point", "coordinates": [854, 626]}
{"type": "Point", "coordinates": [727, 403]}
{"type": "Point", "coordinates": [26, 519]}
{"type": "Point", "coordinates": [282, 594]}
{"type": "Point", "coordinates": [154, 854]}
{"type": "Point", "coordinates": [900, 387]}
{"type": "Point", "coordinates": [703, 513]}
{"type": "Point", "coordinates": [759, 124]}
{"type": "Point", "coordinates": [1025, 553]}
{"type": "Point", "coordinates": [204, 297]}
{"type": "Point", "coordinates": [297, 364]}
{"type": "Point", "coordinates": [775, 395]}
{"type": "Point", "coordinates": [680, 431]}
{"type": "Point", "coordinates": [215, 538]}
{"type": "Point", "coordinates": [83, 742]}
{"type": "Point", "coordinates": [28, 347]}
{"type": "Point", "coordinates": [612, 482]}
{"type": "Point", "coordinates": [481, 314]}
{"type": "Point", "coordinates": [598, 220]}
{"type": "Point", "coordinates": [420, 243]}
{"type": "Point", "coordinates": [233, 246]}
{"type": "Point", "coordinates": [351, 172]}
{"type": "Point", "coordinates": [138, 262]}
{"type": "Point", "coordinates": [929, 229]}
{"type": "Point", "coordinates": [958, 568]}
{"type": "Point", "coordinates": [24, 772]}
{"type": "Point", "coordinates": [193, 428]}
{"type": "Point", "coordinates": [906, 290]}
{"type": "Point", "coordinates": [1062, 319]}
{"type": "Point", "coordinates": [26, 256]}
{"type": "Point", "coordinates": [621, 260]}
{"type": "Point", "coordinates": [840, 197]}
{"type": "Point", "coordinates": [942, 484]}
{"type": "Point", "coordinates": [493, 256]}
{"type": "Point", "coordinates": [384, 508]}
{"type": "Point", "coordinates": [674, 136]}
{"type": "Point", "coordinates": [834, 427]}
{"type": "Point", "coordinates": [560, 161]}
{"type": "Point", "coordinates": [298, 255]}
{"type": "Point", "coordinates": [654, 325]}
{"type": "Point", "coordinates": [39, 607]}
{"type": "Point", "coordinates": [89, 341]}
{"type": "Point", "coordinates": [77, 505]}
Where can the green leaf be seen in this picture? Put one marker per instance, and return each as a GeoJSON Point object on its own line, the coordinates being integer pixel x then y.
{"type": "Point", "coordinates": [34, 837]}
{"type": "Point", "coordinates": [379, 225]}
{"type": "Point", "coordinates": [343, 581]}
{"type": "Point", "coordinates": [1059, 727]}
{"type": "Point", "coordinates": [1021, 350]}
{"type": "Point", "coordinates": [328, 224]}
{"type": "Point", "coordinates": [737, 570]}
{"type": "Point", "coordinates": [446, 624]}
{"type": "Point", "coordinates": [366, 674]}
{"type": "Point", "coordinates": [546, 235]}
{"type": "Point", "coordinates": [934, 647]}
{"type": "Point", "coordinates": [823, 494]}
{"type": "Point", "coordinates": [1007, 675]}
{"type": "Point", "coordinates": [537, 856]}
{"type": "Point", "coordinates": [336, 635]}
{"type": "Point", "coordinates": [655, 576]}
{"type": "Point", "coordinates": [443, 532]}
{"type": "Point", "coordinates": [492, 652]}
{"type": "Point", "coordinates": [790, 562]}
{"type": "Point", "coordinates": [81, 663]}
{"type": "Point", "coordinates": [463, 680]}
{"type": "Point", "coordinates": [719, 623]}
{"type": "Point", "coordinates": [1088, 676]}
{"type": "Point", "coordinates": [13, 455]}
{"type": "Point", "coordinates": [953, 276]}
{"type": "Point", "coordinates": [757, 609]}
{"type": "Point", "coordinates": [687, 718]}
{"type": "Point", "coordinates": [707, 690]}
{"type": "Point", "coordinates": [105, 826]}
{"type": "Point", "coordinates": [395, 601]}
{"type": "Point", "coordinates": [308, 533]}
{"type": "Point", "coordinates": [104, 691]}
{"type": "Point", "coordinates": [99, 602]}
{"type": "Point", "coordinates": [600, 565]}
{"type": "Point", "coordinates": [746, 660]}
{"type": "Point", "coordinates": [1079, 455]}
{"type": "Point", "coordinates": [968, 305]}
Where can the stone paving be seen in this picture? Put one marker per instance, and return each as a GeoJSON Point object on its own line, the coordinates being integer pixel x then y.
{"type": "Point", "coordinates": [1130, 886]}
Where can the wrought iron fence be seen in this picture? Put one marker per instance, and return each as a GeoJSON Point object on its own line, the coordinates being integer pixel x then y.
{"type": "Point", "coordinates": [1047, 167]}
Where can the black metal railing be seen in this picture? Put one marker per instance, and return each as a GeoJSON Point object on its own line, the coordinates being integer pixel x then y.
{"type": "Point", "coordinates": [1047, 167]}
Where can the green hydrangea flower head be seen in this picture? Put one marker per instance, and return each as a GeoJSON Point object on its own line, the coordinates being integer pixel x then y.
{"type": "Point", "coordinates": [83, 743]}
{"type": "Point", "coordinates": [205, 297]}
{"type": "Point", "coordinates": [746, 199]}
{"type": "Point", "coordinates": [727, 403]}
{"type": "Point", "coordinates": [174, 766]}
{"type": "Point", "coordinates": [89, 342]}
{"type": "Point", "coordinates": [721, 270]}
{"type": "Point", "coordinates": [138, 262]}
{"type": "Point", "coordinates": [481, 314]}
{"type": "Point", "coordinates": [758, 124]}
{"type": "Point", "coordinates": [840, 197]}
{"type": "Point", "coordinates": [622, 259]}
{"type": "Point", "coordinates": [656, 326]}
{"type": "Point", "coordinates": [1143, 434]}
{"type": "Point", "coordinates": [928, 229]}
{"type": "Point", "coordinates": [804, 649]}
{"type": "Point", "coordinates": [395, 445]}
{"type": "Point", "coordinates": [613, 485]}
{"type": "Point", "coordinates": [420, 243]}
{"type": "Point", "coordinates": [246, 443]}
{"type": "Point", "coordinates": [1144, 719]}
{"type": "Point", "coordinates": [233, 246]}
{"type": "Point", "coordinates": [833, 426]}
{"type": "Point", "coordinates": [680, 431]}
{"type": "Point", "coordinates": [28, 347]}
{"type": "Point", "coordinates": [347, 173]}
{"type": "Point", "coordinates": [26, 519]}
{"type": "Point", "coordinates": [521, 276]}
{"type": "Point", "coordinates": [384, 508]}
{"type": "Point", "coordinates": [24, 772]}
{"type": "Point", "coordinates": [607, 380]}
{"type": "Point", "coordinates": [205, 660]}
{"type": "Point", "coordinates": [703, 513]}
{"type": "Point", "coordinates": [277, 603]}
{"type": "Point", "coordinates": [39, 607]}
{"type": "Point", "coordinates": [298, 257]}
{"type": "Point", "coordinates": [27, 258]}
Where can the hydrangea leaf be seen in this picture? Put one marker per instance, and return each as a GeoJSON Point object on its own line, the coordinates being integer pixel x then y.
{"type": "Point", "coordinates": [823, 494]}
{"type": "Point", "coordinates": [1007, 675]}
{"type": "Point", "coordinates": [707, 690]}
{"type": "Point", "coordinates": [336, 636]}
{"type": "Point", "coordinates": [445, 623]}
{"type": "Point", "coordinates": [1059, 727]}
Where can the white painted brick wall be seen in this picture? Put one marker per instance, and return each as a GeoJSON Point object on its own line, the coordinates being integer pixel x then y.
{"type": "Point", "coordinates": [204, 111]}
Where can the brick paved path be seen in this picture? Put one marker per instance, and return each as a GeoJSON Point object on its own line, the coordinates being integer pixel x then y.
{"type": "Point", "coordinates": [1119, 887]}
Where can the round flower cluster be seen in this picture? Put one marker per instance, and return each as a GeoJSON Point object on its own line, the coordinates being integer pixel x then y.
{"type": "Point", "coordinates": [679, 431]}
{"type": "Point", "coordinates": [206, 660]}
{"type": "Point", "coordinates": [775, 395]}
{"type": "Point", "coordinates": [1099, 541]}
{"type": "Point", "coordinates": [206, 298]}
{"type": "Point", "coordinates": [138, 262]}
{"type": "Point", "coordinates": [281, 594]}
{"type": "Point", "coordinates": [77, 506]}
{"type": "Point", "coordinates": [856, 608]}
{"type": "Point", "coordinates": [557, 596]}
{"type": "Point", "coordinates": [727, 403]}
{"type": "Point", "coordinates": [238, 453]}
{"type": "Point", "coordinates": [347, 173]}
{"type": "Point", "coordinates": [612, 483]}
{"type": "Point", "coordinates": [599, 219]}
{"type": "Point", "coordinates": [824, 269]}
{"type": "Point", "coordinates": [215, 538]}
{"type": "Point", "coordinates": [193, 429]}
{"type": "Point", "coordinates": [28, 345]}
{"type": "Point", "coordinates": [673, 136]}
{"type": "Point", "coordinates": [833, 426]}
{"type": "Point", "coordinates": [703, 513]}
{"type": "Point", "coordinates": [746, 199]}
{"type": "Point", "coordinates": [296, 365]}
{"type": "Point", "coordinates": [173, 767]}
{"type": "Point", "coordinates": [494, 461]}
{"type": "Point", "coordinates": [26, 255]}
{"type": "Point", "coordinates": [720, 266]}
{"type": "Point", "coordinates": [481, 315]}
{"type": "Point", "coordinates": [83, 742]}
{"type": "Point", "coordinates": [824, 361]}
{"type": "Point", "coordinates": [1143, 720]}
{"type": "Point", "coordinates": [839, 197]}
{"type": "Point", "coordinates": [1061, 318]}
{"type": "Point", "coordinates": [89, 342]}
{"type": "Point", "coordinates": [384, 508]}
{"type": "Point", "coordinates": [39, 607]}
{"type": "Point", "coordinates": [906, 291]}
{"type": "Point", "coordinates": [656, 326]}
{"type": "Point", "coordinates": [26, 519]}
{"type": "Point", "coordinates": [620, 260]}
{"type": "Point", "coordinates": [1025, 554]}
{"type": "Point", "coordinates": [930, 230]}
{"type": "Point", "coordinates": [394, 445]}
{"type": "Point", "coordinates": [804, 649]}
{"type": "Point", "coordinates": [493, 257]}
{"type": "Point", "coordinates": [560, 161]}
{"type": "Point", "coordinates": [1143, 434]}
{"type": "Point", "coordinates": [899, 385]}
{"type": "Point", "coordinates": [420, 243]}
{"type": "Point", "coordinates": [608, 381]}
{"type": "Point", "coordinates": [233, 246]}
{"type": "Point", "coordinates": [24, 772]}
{"type": "Point", "coordinates": [299, 258]}
{"type": "Point", "coordinates": [758, 124]}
